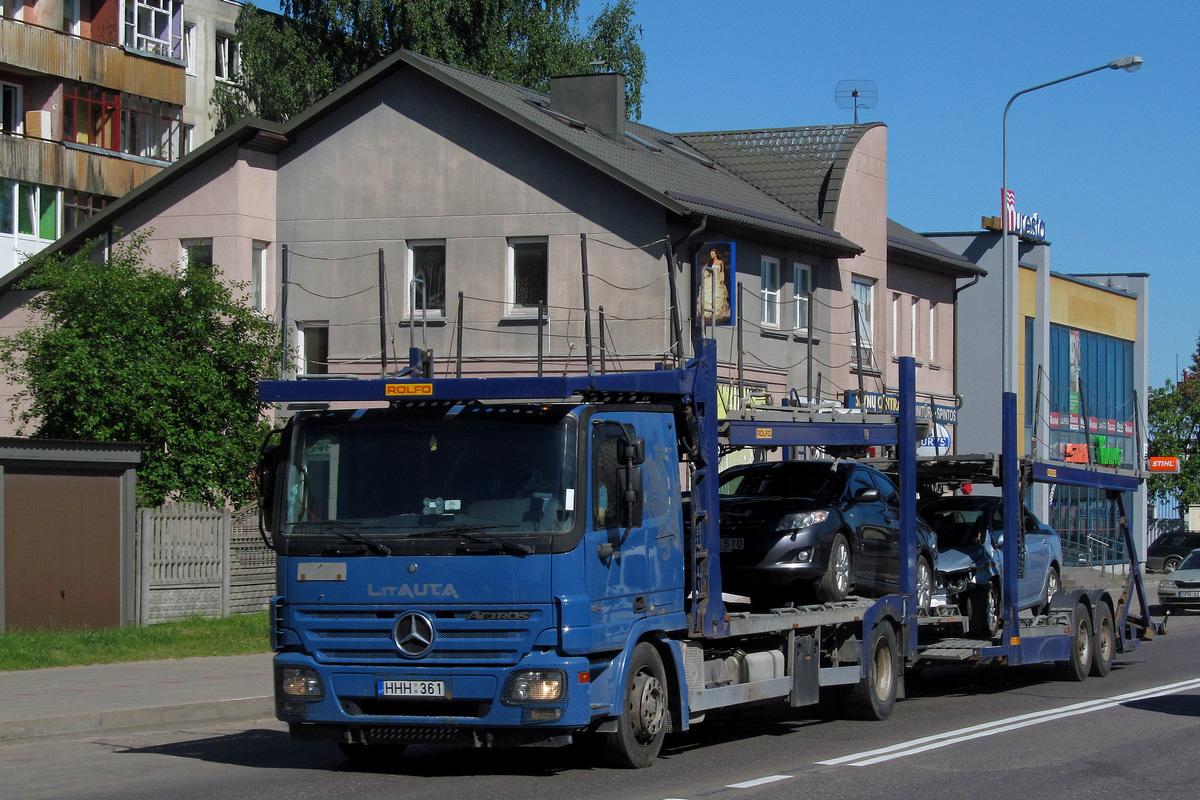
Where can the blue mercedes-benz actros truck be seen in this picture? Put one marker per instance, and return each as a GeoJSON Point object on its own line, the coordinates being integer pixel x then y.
{"type": "Point", "coordinates": [511, 560]}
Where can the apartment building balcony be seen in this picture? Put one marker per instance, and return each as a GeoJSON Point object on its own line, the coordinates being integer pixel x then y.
{"type": "Point", "coordinates": [78, 167]}
{"type": "Point", "coordinates": [33, 49]}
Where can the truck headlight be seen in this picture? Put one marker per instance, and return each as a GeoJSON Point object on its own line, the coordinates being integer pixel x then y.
{"type": "Point", "coordinates": [535, 686]}
{"type": "Point", "coordinates": [301, 682]}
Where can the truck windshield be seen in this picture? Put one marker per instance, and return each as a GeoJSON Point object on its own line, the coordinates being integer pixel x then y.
{"type": "Point", "coordinates": [383, 475]}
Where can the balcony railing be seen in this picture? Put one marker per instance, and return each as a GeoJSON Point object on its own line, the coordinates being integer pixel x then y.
{"type": "Point", "coordinates": [87, 170]}
{"type": "Point", "coordinates": [51, 52]}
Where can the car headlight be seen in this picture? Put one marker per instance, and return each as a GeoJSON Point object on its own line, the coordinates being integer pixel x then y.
{"type": "Point", "coordinates": [1166, 584]}
{"type": "Point", "coordinates": [801, 519]}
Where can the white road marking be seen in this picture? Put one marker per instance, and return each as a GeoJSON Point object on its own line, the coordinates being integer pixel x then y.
{"type": "Point", "coordinates": [924, 744]}
{"type": "Point", "coordinates": [758, 782]}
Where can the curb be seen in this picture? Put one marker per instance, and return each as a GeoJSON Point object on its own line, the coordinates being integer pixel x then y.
{"type": "Point", "coordinates": [213, 711]}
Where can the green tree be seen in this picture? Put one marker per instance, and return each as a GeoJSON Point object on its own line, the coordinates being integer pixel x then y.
{"type": "Point", "coordinates": [1174, 420]}
{"type": "Point", "coordinates": [287, 64]}
{"type": "Point", "coordinates": [124, 352]}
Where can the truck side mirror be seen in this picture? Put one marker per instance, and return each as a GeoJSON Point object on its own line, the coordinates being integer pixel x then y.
{"type": "Point", "coordinates": [269, 458]}
{"type": "Point", "coordinates": [629, 485]}
{"type": "Point", "coordinates": [633, 450]}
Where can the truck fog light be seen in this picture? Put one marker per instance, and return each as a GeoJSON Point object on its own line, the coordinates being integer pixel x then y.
{"type": "Point", "coordinates": [301, 682]}
{"type": "Point", "coordinates": [535, 686]}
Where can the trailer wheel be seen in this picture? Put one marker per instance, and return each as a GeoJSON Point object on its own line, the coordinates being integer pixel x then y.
{"type": "Point", "coordinates": [371, 755]}
{"type": "Point", "coordinates": [874, 696]}
{"type": "Point", "coordinates": [1077, 667]}
{"type": "Point", "coordinates": [985, 619]}
{"type": "Point", "coordinates": [835, 583]}
{"type": "Point", "coordinates": [1104, 641]}
{"type": "Point", "coordinates": [643, 722]}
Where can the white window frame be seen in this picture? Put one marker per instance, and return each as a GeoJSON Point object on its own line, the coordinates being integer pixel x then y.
{"type": "Point", "coordinates": [227, 62]}
{"type": "Point", "coordinates": [14, 90]}
{"type": "Point", "coordinates": [895, 325]}
{"type": "Point", "coordinates": [303, 331]}
{"type": "Point", "coordinates": [189, 47]}
{"type": "Point", "coordinates": [511, 288]}
{"type": "Point", "coordinates": [186, 245]}
{"type": "Point", "coordinates": [914, 323]}
{"type": "Point", "coordinates": [862, 289]}
{"type": "Point", "coordinates": [414, 309]}
{"type": "Point", "coordinates": [769, 275]}
{"type": "Point", "coordinates": [933, 331]}
{"type": "Point", "coordinates": [258, 274]}
{"type": "Point", "coordinates": [133, 37]}
{"type": "Point", "coordinates": [801, 288]}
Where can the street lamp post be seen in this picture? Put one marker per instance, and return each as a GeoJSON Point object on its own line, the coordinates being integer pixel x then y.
{"type": "Point", "coordinates": [1010, 479]}
{"type": "Point", "coordinates": [1129, 64]}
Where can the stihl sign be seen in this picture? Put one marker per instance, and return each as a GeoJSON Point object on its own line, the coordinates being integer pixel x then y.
{"type": "Point", "coordinates": [1164, 464]}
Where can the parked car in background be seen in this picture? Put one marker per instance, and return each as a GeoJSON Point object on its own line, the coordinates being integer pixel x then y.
{"type": "Point", "coordinates": [970, 558]}
{"type": "Point", "coordinates": [805, 531]}
{"type": "Point", "coordinates": [1182, 588]}
{"type": "Point", "coordinates": [1168, 551]}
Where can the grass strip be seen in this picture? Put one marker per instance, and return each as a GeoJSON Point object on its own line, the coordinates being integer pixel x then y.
{"type": "Point", "coordinates": [240, 634]}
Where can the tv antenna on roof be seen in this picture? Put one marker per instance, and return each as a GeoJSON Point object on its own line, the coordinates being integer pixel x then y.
{"type": "Point", "coordinates": [856, 94]}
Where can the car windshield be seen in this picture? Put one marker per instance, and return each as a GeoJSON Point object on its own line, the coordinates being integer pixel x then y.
{"type": "Point", "coordinates": [957, 525]}
{"type": "Point", "coordinates": [819, 480]}
{"type": "Point", "coordinates": [385, 475]}
{"type": "Point", "coordinates": [1192, 561]}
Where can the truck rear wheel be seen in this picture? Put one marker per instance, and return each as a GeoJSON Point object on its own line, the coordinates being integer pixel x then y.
{"type": "Point", "coordinates": [874, 696]}
{"type": "Point", "coordinates": [1104, 641]}
{"type": "Point", "coordinates": [1079, 664]}
{"type": "Point", "coordinates": [644, 718]}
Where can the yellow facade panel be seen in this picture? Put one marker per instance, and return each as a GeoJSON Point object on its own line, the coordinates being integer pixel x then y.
{"type": "Point", "coordinates": [1077, 305]}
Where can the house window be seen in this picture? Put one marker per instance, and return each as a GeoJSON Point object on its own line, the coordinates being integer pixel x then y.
{"type": "Point", "coordinates": [129, 124]}
{"type": "Point", "coordinates": [10, 120]}
{"type": "Point", "coordinates": [189, 48]}
{"type": "Point", "coordinates": [198, 252]}
{"type": "Point", "coordinates": [312, 340]}
{"type": "Point", "coordinates": [528, 274]}
{"type": "Point", "coordinates": [913, 324]}
{"type": "Point", "coordinates": [427, 277]}
{"type": "Point", "coordinates": [71, 17]}
{"type": "Point", "coordinates": [933, 332]}
{"type": "Point", "coordinates": [155, 26]}
{"type": "Point", "coordinates": [91, 115]}
{"type": "Point", "coordinates": [862, 293]}
{"type": "Point", "coordinates": [895, 325]}
{"type": "Point", "coordinates": [227, 62]}
{"type": "Point", "coordinates": [79, 207]}
{"type": "Point", "coordinates": [258, 275]}
{"type": "Point", "coordinates": [801, 288]}
{"type": "Point", "coordinates": [770, 291]}
{"type": "Point", "coordinates": [28, 209]}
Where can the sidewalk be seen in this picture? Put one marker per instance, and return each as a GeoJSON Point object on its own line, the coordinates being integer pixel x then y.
{"type": "Point", "coordinates": [44, 702]}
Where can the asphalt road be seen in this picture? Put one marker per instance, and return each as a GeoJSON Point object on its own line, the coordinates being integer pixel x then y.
{"type": "Point", "coordinates": [961, 733]}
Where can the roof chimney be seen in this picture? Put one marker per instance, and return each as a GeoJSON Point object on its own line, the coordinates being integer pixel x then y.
{"type": "Point", "coordinates": [598, 100]}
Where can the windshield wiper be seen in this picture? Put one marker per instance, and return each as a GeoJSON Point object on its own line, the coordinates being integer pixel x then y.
{"type": "Point", "coordinates": [473, 533]}
{"type": "Point", "coordinates": [344, 531]}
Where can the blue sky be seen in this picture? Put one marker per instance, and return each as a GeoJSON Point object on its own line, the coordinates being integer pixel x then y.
{"type": "Point", "coordinates": [1110, 161]}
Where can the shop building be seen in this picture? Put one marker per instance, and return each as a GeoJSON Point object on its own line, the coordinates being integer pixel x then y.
{"type": "Point", "coordinates": [1080, 375]}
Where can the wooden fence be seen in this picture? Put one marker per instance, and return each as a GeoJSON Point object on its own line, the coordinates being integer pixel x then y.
{"type": "Point", "coordinates": [193, 559]}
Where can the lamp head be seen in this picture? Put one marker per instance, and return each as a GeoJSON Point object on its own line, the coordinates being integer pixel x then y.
{"type": "Point", "coordinates": [1128, 63]}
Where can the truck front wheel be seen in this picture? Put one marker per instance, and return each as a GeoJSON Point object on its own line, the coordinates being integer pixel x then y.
{"type": "Point", "coordinates": [644, 718]}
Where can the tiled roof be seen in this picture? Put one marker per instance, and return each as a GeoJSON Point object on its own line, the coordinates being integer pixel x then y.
{"type": "Point", "coordinates": [658, 164]}
{"type": "Point", "coordinates": [803, 167]}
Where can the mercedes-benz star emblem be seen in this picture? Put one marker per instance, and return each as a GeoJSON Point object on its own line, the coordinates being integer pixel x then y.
{"type": "Point", "coordinates": [413, 634]}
